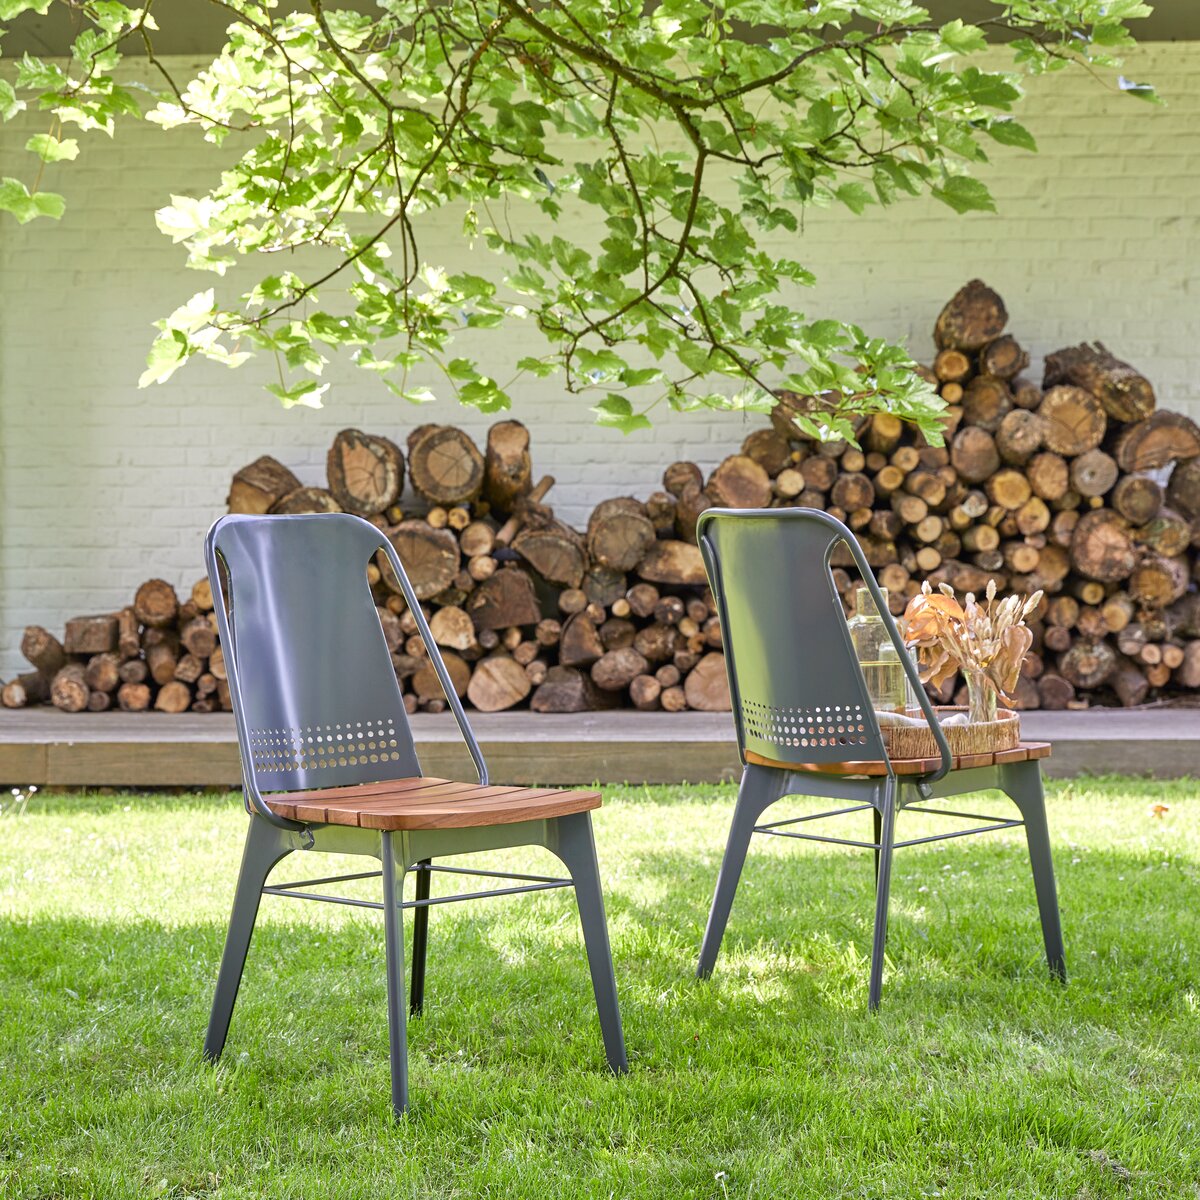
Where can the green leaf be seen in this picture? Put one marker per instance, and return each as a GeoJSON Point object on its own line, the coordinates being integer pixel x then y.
{"type": "Point", "coordinates": [9, 104]}
{"type": "Point", "coordinates": [16, 199]}
{"type": "Point", "coordinates": [964, 194]}
{"type": "Point", "coordinates": [50, 149]}
{"type": "Point", "coordinates": [962, 39]}
{"type": "Point", "coordinates": [1008, 133]}
{"type": "Point", "coordinates": [308, 393]}
{"type": "Point", "coordinates": [855, 196]}
{"type": "Point", "coordinates": [615, 412]}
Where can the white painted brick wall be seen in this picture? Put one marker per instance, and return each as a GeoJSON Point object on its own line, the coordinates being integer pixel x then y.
{"type": "Point", "coordinates": [103, 485]}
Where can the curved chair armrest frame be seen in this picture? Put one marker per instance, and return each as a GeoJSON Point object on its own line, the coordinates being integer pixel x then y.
{"type": "Point", "coordinates": [914, 677]}
{"type": "Point", "coordinates": [435, 657]}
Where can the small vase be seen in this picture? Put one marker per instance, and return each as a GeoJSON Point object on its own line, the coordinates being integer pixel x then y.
{"type": "Point", "coordinates": [981, 699]}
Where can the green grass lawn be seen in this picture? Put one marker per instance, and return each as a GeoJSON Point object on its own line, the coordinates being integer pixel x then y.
{"type": "Point", "coordinates": [979, 1076]}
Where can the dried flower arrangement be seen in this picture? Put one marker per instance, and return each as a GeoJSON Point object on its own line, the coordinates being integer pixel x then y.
{"type": "Point", "coordinates": [986, 641]}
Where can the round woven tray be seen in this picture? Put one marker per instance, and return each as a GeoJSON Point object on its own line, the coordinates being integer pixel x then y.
{"type": "Point", "coordinates": [982, 738]}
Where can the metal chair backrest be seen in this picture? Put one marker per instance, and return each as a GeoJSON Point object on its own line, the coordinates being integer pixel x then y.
{"type": "Point", "coordinates": [314, 693]}
{"type": "Point", "coordinates": [798, 692]}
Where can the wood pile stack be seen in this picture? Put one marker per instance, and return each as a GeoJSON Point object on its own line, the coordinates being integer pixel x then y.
{"type": "Point", "coordinates": [159, 653]}
{"type": "Point", "coordinates": [1077, 487]}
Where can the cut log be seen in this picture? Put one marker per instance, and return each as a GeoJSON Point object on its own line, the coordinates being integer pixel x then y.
{"type": "Point", "coordinates": [1158, 581]}
{"type": "Point", "coordinates": [453, 628]}
{"type": "Point", "coordinates": [1088, 665]}
{"type": "Point", "coordinates": [676, 563]}
{"type": "Point", "coordinates": [567, 690]}
{"type": "Point", "coordinates": [555, 551]}
{"type": "Point", "coordinates": [579, 644]}
{"type": "Point", "coordinates": [619, 532]}
{"type": "Point", "coordinates": [173, 697]}
{"type": "Point", "coordinates": [616, 633]}
{"type": "Point", "coordinates": [477, 538]}
{"type": "Point", "coordinates": [1101, 547]}
{"type": "Point", "coordinates": [306, 500]}
{"type": "Point", "coordinates": [90, 635]}
{"type": "Point", "coordinates": [1183, 488]}
{"type": "Point", "coordinates": [365, 472]}
{"type": "Point", "coordinates": [883, 432]}
{"type": "Point", "coordinates": [1026, 395]}
{"type": "Point", "coordinates": [1137, 498]}
{"type": "Point", "coordinates": [69, 690]}
{"type": "Point", "coordinates": [41, 648]}
{"type": "Point", "coordinates": [187, 670]}
{"type": "Point", "coordinates": [740, 482]}
{"type": "Point", "coordinates": [498, 683]}
{"type": "Point", "coordinates": [1009, 488]}
{"type": "Point", "coordinates": [661, 509]}
{"type": "Point", "coordinates": [706, 687]}
{"type": "Point", "coordinates": [1167, 534]}
{"type": "Point", "coordinates": [1129, 682]}
{"type": "Point", "coordinates": [162, 659]}
{"type": "Point", "coordinates": [1003, 358]}
{"type": "Point", "coordinates": [258, 487]}
{"type": "Point", "coordinates": [156, 604]}
{"type": "Point", "coordinates": [202, 596]}
{"type": "Point", "coordinates": [772, 452]}
{"type": "Point", "coordinates": [103, 672]}
{"type": "Point", "coordinates": [604, 586]}
{"type": "Point", "coordinates": [986, 403]}
{"type": "Point", "coordinates": [1187, 674]}
{"type": "Point", "coordinates": [1019, 436]}
{"type": "Point", "coordinates": [692, 501]}
{"type": "Point", "coordinates": [1125, 393]}
{"type": "Point", "coordinates": [133, 697]}
{"type": "Point", "coordinates": [952, 366]}
{"type": "Point", "coordinates": [427, 685]}
{"type": "Point", "coordinates": [1093, 473]}
{"type": "Point", "coordinates": [975, 316]}
{"type": "Point", "coordinates": [644, 691]}
{"type": "Point", "coordinates": [1054, 692]}
{"type": "Point", "coordinates": [508, 468]}
{"type": "Point", "coordinates": [1161, 439]}
{"type": "Point", "coordinates": [29, 688]}
{"type": "Point", "coordinates": [199, 637]}
{"type": "Point", "coordinates": [851, 491]}
{"type": "Point", "coordinates": [507, 599]}
{"type": "Point", "coordinates": [617, 669]}
{"type": "Point", "coordinates": [445, 465]}
{"type": "Point", "coordinates": [681, 475]}
{"type": "Point", "coordinates": [1074, 420]}
{"type": "Point", "coordinates": [129, 641]}
{"type": "Point", "coordinates": [973, 454]}
{"type": "Point", "coordinates": [430, 558]}
{"type": "Point", "coordinates": [819, 472]}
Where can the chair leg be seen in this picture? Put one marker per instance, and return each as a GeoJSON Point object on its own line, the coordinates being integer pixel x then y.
{"type": "Point", "coordinates": [878, 822]}
{"type": "Point", "coordinates": [265, 846]}
{"type": "Point", "coordinates": [393, 932]}
{"type": "Point", "coordinates": [760, 788]}
{"type": "Point", "coordinates": [886, 823]}
{"type": "Point", "coordinates": [420, 947]}
{"type": "Point", "coordinates": [1022, 782]}
{"type": "Point", "coordinates": [576, 847]}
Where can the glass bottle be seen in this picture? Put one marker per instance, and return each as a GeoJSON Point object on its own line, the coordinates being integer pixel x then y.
{"type": "Point", "coordinates": [887, 684]}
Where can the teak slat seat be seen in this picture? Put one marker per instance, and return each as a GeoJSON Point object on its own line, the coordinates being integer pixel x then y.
{"type": "Point", "coordinates": [876, 767]}
{"type": "Point", "coordinates": [794, 679]}
{"type": "Point", "coordinates": [328, 762]}
{"type": "Point", "coordinates": [428, 803]}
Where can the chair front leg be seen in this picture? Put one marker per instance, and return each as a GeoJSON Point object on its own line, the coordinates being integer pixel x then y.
{"type": "Point", "coordinates": [393, 932]}
{"type": "Point", "coordinates": [571, 839]}
{"type": "Point", "coordinates": [266, 844]}
{"type": "Point", "coordinates": [1022, 783]}
{"type": "Point", "coordinates": [759, 789]}
{"type": "Point", "coordinates": [886, 824]}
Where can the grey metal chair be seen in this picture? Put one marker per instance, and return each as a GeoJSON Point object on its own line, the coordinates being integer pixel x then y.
{"type": "Point", "coordinates": [806, 726]}
{"type": "Point", "coordinates": [328, 761]}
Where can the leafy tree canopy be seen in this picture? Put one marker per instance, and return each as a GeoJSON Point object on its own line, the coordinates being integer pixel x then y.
{"type": "Point", "coordinates": [536, 122]}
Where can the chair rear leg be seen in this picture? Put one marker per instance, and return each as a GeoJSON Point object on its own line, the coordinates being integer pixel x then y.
{"type": "Point", "coordinates": [420, 947]}
{"type": "Point", "coordinates": [760, 788]}
{"type": "Point", "coordinates": [265, 846]}
{"type": "Point", "coordinates": [878, 823]}
{"type": "Point", "coordinates": [393, 933]}
{"type": "Point", "coordinates": [886, 824]}
{"type": "Point", "coordinates": [1022, 782]}
{"type": "Point", "coordinates": [575, 845]}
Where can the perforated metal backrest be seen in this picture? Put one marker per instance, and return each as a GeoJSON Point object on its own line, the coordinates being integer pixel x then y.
{"type": "Point", "coordinates": [798, 692]}
{"type": "Point", "coordinates": [310, 674]}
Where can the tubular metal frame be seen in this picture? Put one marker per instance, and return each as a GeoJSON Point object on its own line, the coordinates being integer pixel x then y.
{"type": "Point", "coordinates": [271, 838]}
{"type": "Point", "coordinates": [885, 795]}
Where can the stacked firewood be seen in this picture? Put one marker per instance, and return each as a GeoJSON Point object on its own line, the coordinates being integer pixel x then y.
{"type": "Point", "coordinates": [1078, 488]}
{"type": "Point", "coordinates": [158, 653]}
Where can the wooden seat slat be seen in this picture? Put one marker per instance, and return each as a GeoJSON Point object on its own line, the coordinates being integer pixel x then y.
{"type": "Point", "coordinates": [910, 766]}
{"type": "Point", "coordinates": [428, 803]}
